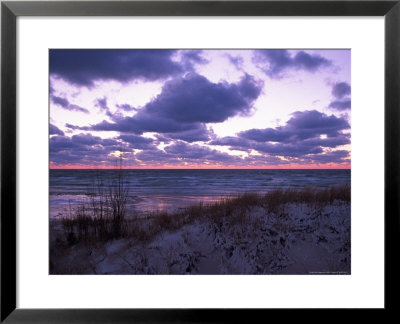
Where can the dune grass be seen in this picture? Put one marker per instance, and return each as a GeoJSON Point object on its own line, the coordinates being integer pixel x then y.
{"type": "Point", "coordinates": [105, 218]}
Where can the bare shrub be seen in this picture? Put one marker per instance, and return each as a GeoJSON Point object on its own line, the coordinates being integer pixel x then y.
{"type": "Point", "coordinates": [104, 217]}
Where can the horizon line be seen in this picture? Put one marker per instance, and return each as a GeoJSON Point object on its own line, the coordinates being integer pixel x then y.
{"type": "Point", "coordinates": [117, 168]}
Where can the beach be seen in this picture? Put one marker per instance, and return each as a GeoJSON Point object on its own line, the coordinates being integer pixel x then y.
{"type": "Point", "coordinates": [199, 161]}
{"type": "Point", "coordinates": [290, 231]}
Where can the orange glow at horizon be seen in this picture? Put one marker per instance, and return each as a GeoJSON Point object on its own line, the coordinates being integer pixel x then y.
{"type": "Point", "coordinates": [205, 167]}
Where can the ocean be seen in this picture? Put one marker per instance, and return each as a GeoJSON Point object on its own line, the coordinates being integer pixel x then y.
{"type": "Point", "coordinates": [151, 190]}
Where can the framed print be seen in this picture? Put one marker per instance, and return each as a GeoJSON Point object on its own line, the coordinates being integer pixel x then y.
{"type": "Point", "coordinates": [195, 161]}
{"type": "Point", "coordinates": [171, 189]}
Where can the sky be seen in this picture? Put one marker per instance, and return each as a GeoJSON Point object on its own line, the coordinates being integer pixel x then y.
{"type": "Point", "coordinates": [263, 108]}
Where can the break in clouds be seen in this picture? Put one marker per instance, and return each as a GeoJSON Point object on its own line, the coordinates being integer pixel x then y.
{"type": "Point", "coordinates": [195, 108]}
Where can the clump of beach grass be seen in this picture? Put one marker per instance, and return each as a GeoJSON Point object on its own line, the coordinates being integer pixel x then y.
{"type": "Point", "coordinates": [105, 217]}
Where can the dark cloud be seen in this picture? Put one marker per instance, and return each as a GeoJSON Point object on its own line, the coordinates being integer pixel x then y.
{"type": "Point", "coordinates": [64, 103]}
{"type": "Point", "coordinates": [295, 149]}
{"type": "Point", "coordinates": [138, 142]}
{"type": "Point", "coordinates": [303, 125]}
{"type": "Point", "coordinates": [200, 133]}
{"type": "Point", "coordinates": [180, 152]}
{"type": "Point", "coordinates": [308, 62]}
{"type": "Point", "coordinates": [54, 130]}
{"type": "Point", "coordinates": [338, 156]}
{"type": "Point", "coordinates": [278, 134]}
{"type": "Point", "coordinates": [187, 102]}
{"type": "Point", "coordinates": [234, 142]}
{"type": "Point", "coordinates": [301, 149]}
{"type": "Point", "coordinates": [84, 67]}
{"type": "Point", "coordinates": [61, 143]}
{"type": "Point", "coordinates": [306, 132]}
{"type": "Point", "coordinates": [198, 153]}
{"type": "Point", "coordinates": [331, 142]}
{"type": "Point", "coordinates": [280, 149]}
{"type": "Point", "coordinates": [89, 149]}
{"type": "Point", "coordinates": [81, 142]}
{"type": "Point", "coordinates": [288, 150]}
{"type": "Point", "coordinates": [51, 89]}
{"type": "Point", "coordinates": [313, 121]}
{"type": "Point", "coordinates": [341, 89]}
{"type": "Point", "coordinates": [75, 127]}
{"type": "Point", "coordinates": [184, 105]}
{"type": "Point", "coordinates": [341, 104]}
{"type": "Point", "coordinates": [237, 61]}
{"type": "Point", "coordinates": [60, 101]}
{"type": "Point", "coordinates": [275, 62]}
{"type": "Point", "coordinates": [88, 139]}
{"type": "Point", "coordinates": [138, 125]}
{"type": "Point", "coordinates": [126, 107]}
{"type": "Point", "coordinates": [102, 104]}
{"type": "Point", "coordinates": [294, 152]}
{"type": "Point", "coordinates": [195, 99]}
{"type": "Point", "coordinates": [190, 57]}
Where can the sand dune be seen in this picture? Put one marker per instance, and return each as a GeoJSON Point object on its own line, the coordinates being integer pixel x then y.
{"type": "Point", "coordinates": [297, 238]}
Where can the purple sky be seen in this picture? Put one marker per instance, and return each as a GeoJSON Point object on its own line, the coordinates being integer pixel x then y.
{"type": "Point", "coordinates": [200, 108]}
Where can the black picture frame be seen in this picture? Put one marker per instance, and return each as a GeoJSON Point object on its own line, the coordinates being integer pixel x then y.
{"type": "Point", "coordinates": [10, 10]}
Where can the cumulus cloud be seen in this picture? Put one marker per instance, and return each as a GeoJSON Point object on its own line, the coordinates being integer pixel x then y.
{"type": "Point", "coordinates": [102, 104]}
{"type": "Point", "coordinates": [138, 125]}
{"type": "Point", "coordinates": [338, 156]}
{"type": "Point", "coordinates": [54, 130]}
{"type": "Point", "coordinates": [340, 104]}
{"type": "Point", "coordinates": [198, 133]}
{"type": "Point", "coordinates": [180, 152]}
{"type": "Point", "coordinates": [302, 125]}
{"type": "Point", "coordinates": [197, 152]}
{"type": "Point", "coordinates": [65, 104]}
{"type": "Point", "coordinates": [137, 142]}
{"type": "Point", "coordinates": [306, 132]}
{"type": "Point", "coordinates": [80, 142]}
{"type": "Point", "coordinates": [341, 92]}
{"type": "Point", "coordinates": [192, 57]}
{"type": "Point", "coordinates": [237, 61]}
{"type": "Point", "coordinates": [341, 89]}
{"type": "Point", "coordinates": [89, 149]}
{"type": "Point", "coordinates": [126, 107]}
{"type": "Point", "coordinates": [275, 62]}
{"type": "Point", "coordinates": [179, 115]}
{"type": "Point", "coordinates": [84, 67]}
{"type": "Point", "coordinates": [185, 103]}
{"type": "Point", "coordinates": [195, 99]}
{"type": "Point", "coordinates": [307, 137]}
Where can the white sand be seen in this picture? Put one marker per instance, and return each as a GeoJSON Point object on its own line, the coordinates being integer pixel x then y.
{"type": "Point", "coordinates": [299, 239]}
